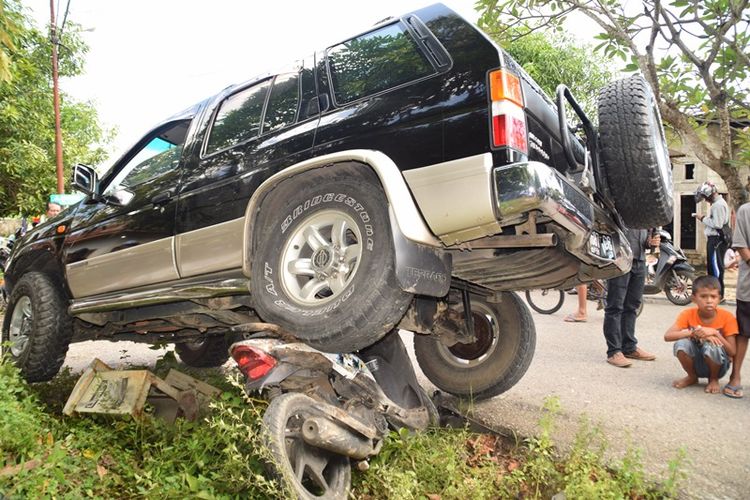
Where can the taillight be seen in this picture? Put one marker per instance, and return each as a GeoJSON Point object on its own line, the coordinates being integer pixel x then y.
{"type": "Point", "coordinates": [508, 117]}
{"type": "Point", "coordinates": [252, 362]}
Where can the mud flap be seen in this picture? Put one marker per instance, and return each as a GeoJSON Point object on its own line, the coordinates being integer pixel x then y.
{"type": "Point", "coordinates": [420, 269]}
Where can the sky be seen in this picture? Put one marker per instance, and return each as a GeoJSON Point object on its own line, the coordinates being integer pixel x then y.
{"type": "Point", "coordinates": [149, 59]}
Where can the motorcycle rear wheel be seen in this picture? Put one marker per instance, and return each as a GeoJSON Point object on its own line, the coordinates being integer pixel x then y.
{"type": "Point", "coordinates": [679, 290]}
{"type": "Point", "coordinates": [310, 472]}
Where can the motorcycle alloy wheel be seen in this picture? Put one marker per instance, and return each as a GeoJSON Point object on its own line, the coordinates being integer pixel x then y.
{"type": "Point", "coordinates": [308, 471]}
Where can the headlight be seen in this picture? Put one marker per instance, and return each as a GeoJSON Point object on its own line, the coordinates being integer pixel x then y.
{"type": "Point", "coordinates": [671, 259]}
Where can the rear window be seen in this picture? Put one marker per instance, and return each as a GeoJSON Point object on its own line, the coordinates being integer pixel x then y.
{"type": "Point", "coordinates": [238, 118]}
{"type": "Point", "coordinates": [283, 102]}
{"type": "Point", "coordinates": [374, 62]}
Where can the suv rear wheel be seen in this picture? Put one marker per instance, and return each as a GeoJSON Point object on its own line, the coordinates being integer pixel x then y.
{"type": "Point", "coordinates": [634, 153]}
{"type": "Point", "coordinates": [504, 344]}
{"type": "Point", "coordinates": [37, 327]}
{"type": "Point", "coordinates": [323, 261]}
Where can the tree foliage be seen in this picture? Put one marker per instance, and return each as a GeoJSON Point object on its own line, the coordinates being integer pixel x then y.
{"type": "Point", "coordinates": [693, 53]}
{"type": "Point", "coordinates": [555, 58]}
{"type": "Point", "coordinates": [27, 133]}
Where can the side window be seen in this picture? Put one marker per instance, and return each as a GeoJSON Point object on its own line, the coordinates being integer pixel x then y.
{"type": "Point", "coordinates": [376, 61]}
{"type": "Point", "coordinates": [238, 118]}
{"type": "Point", "coordinates": [282, 103]}
{"type": "Point", "coordinates": [160, 155]}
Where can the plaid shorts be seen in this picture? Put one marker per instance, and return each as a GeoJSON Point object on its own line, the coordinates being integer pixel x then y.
{"type": "Point", "coordinates": [699, 352]}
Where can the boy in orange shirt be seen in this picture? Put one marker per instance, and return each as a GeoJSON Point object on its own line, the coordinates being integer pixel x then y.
{"type": "Point", "coordinates": [704, 337]}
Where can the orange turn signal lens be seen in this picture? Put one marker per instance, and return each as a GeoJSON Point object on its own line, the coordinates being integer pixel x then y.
{"type": "Point", "coordinates": [61, 229]}
{"type": "Point", "coordinates": [505, 86]}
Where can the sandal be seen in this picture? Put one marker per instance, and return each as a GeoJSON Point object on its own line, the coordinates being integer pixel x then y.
{"type": "Point", "coordinates": [572, 318]}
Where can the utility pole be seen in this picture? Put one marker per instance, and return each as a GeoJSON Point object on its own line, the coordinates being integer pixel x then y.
{"type": "Point", "coordinates": [56, 100]}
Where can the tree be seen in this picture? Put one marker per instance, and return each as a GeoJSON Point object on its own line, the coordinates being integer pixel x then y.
{"type": "Point", "coordinates": [554, 58]}
{"type": "Point", "coordinates": [693, 53]}
{"type": "Point", "coordinates": [27, 133]}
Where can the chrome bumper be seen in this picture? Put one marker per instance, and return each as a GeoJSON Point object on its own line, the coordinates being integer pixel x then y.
{"type": "Point", "coordinates": [521, 188]}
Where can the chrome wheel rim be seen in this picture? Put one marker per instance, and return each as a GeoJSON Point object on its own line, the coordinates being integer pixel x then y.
{"type": "Point", "coordinates": [681, 287]}
{"type": "Point", "coordinates": [321, 257]}
{"type": "Point", "coordinates": [19, 331]}
{"type": "Point", "coordinates": [487, 333]}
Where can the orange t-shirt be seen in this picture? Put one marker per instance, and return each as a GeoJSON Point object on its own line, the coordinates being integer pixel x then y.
{"type": "Point", "coordinates": [724, 321]}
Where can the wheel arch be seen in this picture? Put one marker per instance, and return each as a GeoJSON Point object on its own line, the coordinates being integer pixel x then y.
{"type": "Point", "coordinates": [406, 221]}
{"type": "Point", "coordinates": [43, 258]}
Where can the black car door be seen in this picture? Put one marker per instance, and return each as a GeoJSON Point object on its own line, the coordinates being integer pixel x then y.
{"type": "Point", "coordinates": [126, 240]}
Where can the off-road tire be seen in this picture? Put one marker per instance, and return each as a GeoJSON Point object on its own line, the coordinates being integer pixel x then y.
{"type": "Point", "coordinates": [634, 153]}
{"type": "Point", "coordinates": [514, 338]}
{"type": "Point", "coordinates": [50, 331]}
{"type": "Point", "coordinates": [204, 353]}
{"type": "Point", "coordinates": [371, 301]}
{"type": "Point", "coordinates": [283, 416]}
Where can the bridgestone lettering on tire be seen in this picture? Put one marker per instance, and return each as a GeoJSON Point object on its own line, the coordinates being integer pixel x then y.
{"type": "Point", "coordinates": [37, 326]}
{"type": "Point", "coordinates": [634, 153]}
{"type": "Point", "coordinates": [323, 264]}
{"type": "Point", "coordinates": [504, 348]}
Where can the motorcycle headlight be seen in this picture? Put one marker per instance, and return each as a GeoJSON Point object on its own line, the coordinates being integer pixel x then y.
{"type": "Point", "coordinates": [671, 259]}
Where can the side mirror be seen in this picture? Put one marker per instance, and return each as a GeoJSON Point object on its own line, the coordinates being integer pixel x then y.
{"type": "Point", "coordinates": [86, 180]}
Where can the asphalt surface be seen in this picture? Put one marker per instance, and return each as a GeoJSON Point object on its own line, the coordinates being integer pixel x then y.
{"type": "Point", "coordinates": [636, 407]}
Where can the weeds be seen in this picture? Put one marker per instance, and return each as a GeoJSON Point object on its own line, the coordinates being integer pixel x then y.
{"type": "Point", "coordinates": [43, 454]}
{"type": "Point", "coordinates": [459, 464]}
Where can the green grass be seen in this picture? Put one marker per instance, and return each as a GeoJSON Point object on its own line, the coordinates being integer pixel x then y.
{"type": "Point", "coordinates": [221, 455]}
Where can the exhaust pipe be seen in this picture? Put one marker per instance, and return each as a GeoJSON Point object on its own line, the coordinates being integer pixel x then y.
{"type": "Point", "coordinates": [322, 433]}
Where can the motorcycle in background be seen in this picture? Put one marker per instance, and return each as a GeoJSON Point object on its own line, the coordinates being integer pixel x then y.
{"type": "Point", "coordinates": [327, 409]}
{"type": "Point", "coordinates": [670, 272]}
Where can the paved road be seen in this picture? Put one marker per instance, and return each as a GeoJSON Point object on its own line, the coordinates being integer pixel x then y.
{"type": "Point", "coordinates": [636, 406]}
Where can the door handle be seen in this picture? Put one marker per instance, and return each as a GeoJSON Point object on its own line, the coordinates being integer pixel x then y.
{"type": "Point", "coordinates": [162, 198]}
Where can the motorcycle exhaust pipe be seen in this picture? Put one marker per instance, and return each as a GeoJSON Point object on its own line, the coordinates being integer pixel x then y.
{"type": "Point", "coordinates": [322, 433]}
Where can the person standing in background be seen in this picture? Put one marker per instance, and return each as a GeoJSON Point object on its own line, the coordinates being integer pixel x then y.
{"type": "Point", "coordinates": [624, 296]}
{"type": "Point", "coordinates": [741, 243]}
{"type": "Point", "coordinates": [718, 215]}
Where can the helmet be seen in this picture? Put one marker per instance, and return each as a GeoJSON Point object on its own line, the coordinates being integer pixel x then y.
{"type": "Point", "coordinates": [705, 191]}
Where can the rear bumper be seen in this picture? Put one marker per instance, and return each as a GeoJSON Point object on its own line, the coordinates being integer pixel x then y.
{"type": "Point", "coordinates": [589, 232]}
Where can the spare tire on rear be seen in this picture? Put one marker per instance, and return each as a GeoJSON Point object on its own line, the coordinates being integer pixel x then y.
{"type": "Point", "coordinates": [634, 153]}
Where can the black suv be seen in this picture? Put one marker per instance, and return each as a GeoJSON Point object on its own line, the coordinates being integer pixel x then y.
{"type": "Point", "coordinates": [411, 176]}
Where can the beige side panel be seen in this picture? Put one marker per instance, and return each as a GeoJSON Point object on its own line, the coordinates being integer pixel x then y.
{"type": "Point", "coordinates": [137, 266]}
{"type": "Point", "coordinates": [213, 248]}
{"type": "Point", "coordinates": [456, 197]}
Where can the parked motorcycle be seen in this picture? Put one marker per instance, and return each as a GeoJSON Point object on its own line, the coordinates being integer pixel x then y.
{"type": "Point", "coordinates": [670, 272]}
{"type": "Point", "coordinates": [329, 409]}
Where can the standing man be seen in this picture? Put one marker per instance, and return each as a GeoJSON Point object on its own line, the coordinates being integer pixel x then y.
{"type": "Point", "coordinates": [741, 243]}
{"type": "Point", "coordinates": [624, 295]}
{"type": "Point", "coordinates": [718, 215]}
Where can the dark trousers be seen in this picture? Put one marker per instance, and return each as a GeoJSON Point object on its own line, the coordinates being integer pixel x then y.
{"type": "Point", "coordinates": [624, 295]}
{"type": "Point", "coordinates": [715, 250]}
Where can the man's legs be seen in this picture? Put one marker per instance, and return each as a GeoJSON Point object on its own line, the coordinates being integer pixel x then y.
{"type": "Point", "coordinates": [734, 386]}
{"type": "Point", "coordinates": [631, 303]}
{"type": "Point", "coordinates": [715, 260]}
{"type": "Point", "coordinates": [616, 291]}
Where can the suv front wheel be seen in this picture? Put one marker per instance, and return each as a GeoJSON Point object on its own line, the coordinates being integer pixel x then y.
{"type": "Point", "coordinates": [323, 260]}
{"type": "Point", "coordinates": [37, 327]}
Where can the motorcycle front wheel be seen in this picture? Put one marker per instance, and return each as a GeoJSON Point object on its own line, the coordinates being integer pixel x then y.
{"type": "Point", "coordinates": [310, 472]}
{"type": "Point", "coordinates": [679, 287]}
